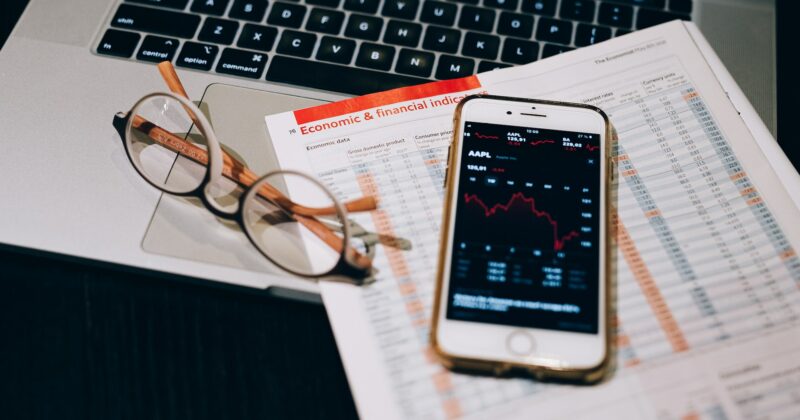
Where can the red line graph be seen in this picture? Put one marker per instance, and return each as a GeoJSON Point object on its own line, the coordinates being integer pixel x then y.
{"type": "Point", "coordinates": [558, 241]}
{"type": "Point", "coordinates": [538, 142]}
{"type": "Point", "coordinates": [591, 148]}
{"type": "Point", "coordinates": [486, 136]}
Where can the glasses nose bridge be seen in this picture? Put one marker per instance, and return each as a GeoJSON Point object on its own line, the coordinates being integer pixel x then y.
{"type": "Point", "coordinates": [225, 196]}
{"type": "Point", "coordinates": [233, 215]}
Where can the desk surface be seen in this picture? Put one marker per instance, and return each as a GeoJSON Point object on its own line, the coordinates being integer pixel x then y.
{"type": "Point", "coordinates": [82, 341]}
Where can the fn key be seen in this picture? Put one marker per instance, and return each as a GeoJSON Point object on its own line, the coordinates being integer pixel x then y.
{"type": "Point", "coordinates": [118, 43]}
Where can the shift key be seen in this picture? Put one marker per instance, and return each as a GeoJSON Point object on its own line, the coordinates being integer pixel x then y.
{"type": "Point", "coordinates": [158, 21]}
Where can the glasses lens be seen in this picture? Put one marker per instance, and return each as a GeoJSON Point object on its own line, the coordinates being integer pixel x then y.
{"type": "Point", "coordinates": [165, 145]}
{"type": "Point", "coordinates": [304, 245]}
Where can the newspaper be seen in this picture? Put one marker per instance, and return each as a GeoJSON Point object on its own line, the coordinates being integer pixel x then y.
{"type": "Point", "coordinates": [708, 278]}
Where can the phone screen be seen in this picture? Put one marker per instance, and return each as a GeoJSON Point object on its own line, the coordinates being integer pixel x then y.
{"type": "Point", "coordinates": [526, 248]}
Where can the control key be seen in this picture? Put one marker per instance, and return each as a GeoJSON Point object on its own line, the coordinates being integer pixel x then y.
{"type": "Point", "coordinates": [157, 49]}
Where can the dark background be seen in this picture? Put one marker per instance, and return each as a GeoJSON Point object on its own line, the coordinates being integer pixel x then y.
{"type": "Point", "coordinates": [79, 340]}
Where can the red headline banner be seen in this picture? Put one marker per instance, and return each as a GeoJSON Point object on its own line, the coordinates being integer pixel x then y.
{"type": "Point", "coordinates": [372, 100]}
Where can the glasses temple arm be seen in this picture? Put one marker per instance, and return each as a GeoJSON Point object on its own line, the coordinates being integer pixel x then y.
{"type": "Point", "coordinates": [120, 119]}
{"type": "Point", "coordinates": [332, 240]}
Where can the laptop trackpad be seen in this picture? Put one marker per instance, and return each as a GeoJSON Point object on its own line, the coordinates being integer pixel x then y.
{"type": "Point", "coordinates": [183, 228]}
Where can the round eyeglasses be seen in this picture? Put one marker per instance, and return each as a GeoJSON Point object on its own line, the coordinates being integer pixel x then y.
{"type": "Point", "coordinates": [172, 145]}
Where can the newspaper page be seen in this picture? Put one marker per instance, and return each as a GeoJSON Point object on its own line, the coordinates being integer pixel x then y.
{"type": "Point", "coordinates": [708, 278]}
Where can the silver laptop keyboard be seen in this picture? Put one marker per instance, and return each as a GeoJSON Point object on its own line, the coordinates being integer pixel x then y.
{"type": "Point", "coordinates": [363, 46]}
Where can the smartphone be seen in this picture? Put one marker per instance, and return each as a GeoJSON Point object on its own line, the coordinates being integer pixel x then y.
{"type": "Point", "coordinates": [523, 277]}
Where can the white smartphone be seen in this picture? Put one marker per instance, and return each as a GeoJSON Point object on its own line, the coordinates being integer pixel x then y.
{"type": "Point", "coordinates": [522, 280]}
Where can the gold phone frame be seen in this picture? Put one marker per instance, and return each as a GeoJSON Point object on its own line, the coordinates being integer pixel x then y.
{"type": "Point", "coordinates": [586, 376]}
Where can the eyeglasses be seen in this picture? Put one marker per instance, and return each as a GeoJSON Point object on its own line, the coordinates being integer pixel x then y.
{"type": "Point", "coordinates": [172, 145]}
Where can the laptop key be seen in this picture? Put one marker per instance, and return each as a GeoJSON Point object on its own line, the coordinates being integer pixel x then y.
{"type": "Point", "coordinates": [501, 4]}
{"type": "Point", "coordinates": [163, 22]}
{"type": "Point", "coordinates": [172, 4]}
{"type": "Point", "coordinates": [590, 34]}
{"type": "Point", "coordinates": [218, 31]}
{"type": "Point", "coordinates": [328, 3]}
{"type": "Point", "coordinates": [615, 15]}
{"type": "Point", "coordinates": [363, 27]}
{"type": "Point", "coordinates": [439, 13]}
{"type": "Point", "coordinates": [286, 14]}
{"type": "Point", "coordinates": [515, 25]}
{"type": "Point", "coordinates": [656, 4]}
{"type": "Point", "coordinates": [375, 56]}
{"type": "Point", "coordinates": [257, 37]}
{"type": "Point", "coordinates": [118, 43]}
{"type": "Point", "coordinates": [477, 19]}
{"type": "Point", "coordinates": [324, 20]}
{"type": "Point", "coordinates": [415, 63]}
{"type": "Point", "coordinates": [403, 9]}
{"type": "Point", "coordinates": [241, 63]}
{"type": "Point", "coordinates": [252, 10]}
{"type": "Point", "coordinates": [550, 50]}
{"type": "Point", "coordinates": [467, 1]}
{"type": "Point", "coordinates": [518, 51]}
{"type": "Point", "coordinates": [402, 33]}
{"type": "Point", "coordinates": [490, 65]}
{"type": "Point", "coordinates": [210, 7]}
{"type": "Point", "coordinates": [197, 56]}
{"type": "Point", "coordinates": [480, 45]}
{"type": "Point", "coordinates": [364, 6]}
{"type": "Point", "coordinates": [647, 18]}
{"type": "Point", "coordinates": [333, 77]}
{"type": "Point", "coordinates": [680, 6]}
{"type": "Point", "coordinates": [157, 49]}
{"type": "Point", "coordinates": [336, 50]}
{"type": "Point", "coordinates": [454, 67]}
{"type": "Point", "coordinates": [539, 7]}
{"type": "Point", "coordinates": [441, 39]}
{"type": "Point", "coordinates": [578, 10]}
{"type": "Point", "coordinates": [296, 43]}
{"type": "Point", "coordinates": [553, 30]}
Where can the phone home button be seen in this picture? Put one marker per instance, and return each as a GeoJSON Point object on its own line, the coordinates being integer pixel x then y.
{"type": "Point", "coordinates": [520, 343]}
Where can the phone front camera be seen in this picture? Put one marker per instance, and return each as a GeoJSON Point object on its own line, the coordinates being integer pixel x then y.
{"type": "Point", "coordinates": [508, 112]}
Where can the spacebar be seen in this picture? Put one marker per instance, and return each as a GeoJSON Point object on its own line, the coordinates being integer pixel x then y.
{"type": "Point", "coordinates": [335, 78]}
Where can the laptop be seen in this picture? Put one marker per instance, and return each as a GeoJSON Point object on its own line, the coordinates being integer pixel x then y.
{"type": "Point", "coordinates": [69, 66]}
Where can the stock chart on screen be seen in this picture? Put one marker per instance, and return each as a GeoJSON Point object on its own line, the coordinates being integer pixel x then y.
{"type": "Point", "coordinates": [526, 245]}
